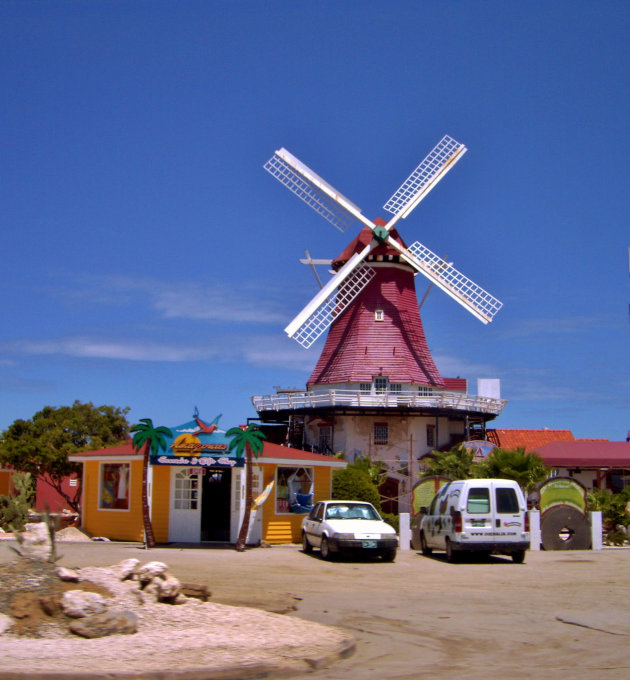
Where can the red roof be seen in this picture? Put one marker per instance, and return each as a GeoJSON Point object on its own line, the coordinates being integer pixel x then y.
{"type": "Point", "coordinates": [272, 451]}
{"type": "Point", "coordinates": [359, 347]}
{"type": "Point", "coordinates": [269, 451]}
{"type": "Point", "coordinates": [120, 450]}
{"type": "Point", "coordinates": [586, 453]}
{"type": "Point", "coordinates": [455, 384]}
{"type": "Point", "coordinates": [527, 439]}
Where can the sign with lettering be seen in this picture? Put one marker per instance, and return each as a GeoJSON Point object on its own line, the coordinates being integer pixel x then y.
{"type": "Point", "coordinates": [197, 444]}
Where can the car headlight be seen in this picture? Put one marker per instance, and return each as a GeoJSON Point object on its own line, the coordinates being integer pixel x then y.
{"type": "Point", "coordinates": [344, 537]}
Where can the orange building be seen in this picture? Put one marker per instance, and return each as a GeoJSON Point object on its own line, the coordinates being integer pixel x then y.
{"type": "Point", "coordinates": [197, 489]}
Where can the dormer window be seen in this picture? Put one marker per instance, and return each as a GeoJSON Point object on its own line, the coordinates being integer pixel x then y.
{"type": "Point", "coordinates": [379, 315]}
{"type": "Point", "coordinates": [380, 385]}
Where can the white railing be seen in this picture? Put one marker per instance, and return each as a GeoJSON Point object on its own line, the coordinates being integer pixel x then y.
{"type": "Point", "coordinates": [459, 401]}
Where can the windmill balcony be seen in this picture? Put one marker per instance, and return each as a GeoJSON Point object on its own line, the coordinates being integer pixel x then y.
{"type": "Point", "coordinates": [355, 399]}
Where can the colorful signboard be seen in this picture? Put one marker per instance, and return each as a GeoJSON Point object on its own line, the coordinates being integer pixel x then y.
{"type": "Point", "coordinates": [197, 444]}
{"type": "Point", "coordinates": [481, 449]}
{"type": "Point", "coordinates": [562, 491]}
{"type": "Point", "coordinates": [424, 490]}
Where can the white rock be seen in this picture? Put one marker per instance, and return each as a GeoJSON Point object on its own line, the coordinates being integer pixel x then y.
{"type": "Point", "coordinates": [78, 603]}
{"type": "Point", "coordinates": [66, 574]}
{"type": "Point", "coordinates": [151, 570]}
{"type": "Point", "coordinates": [5, 623]}
{"type": "Point", "coordinates": [125, 568]}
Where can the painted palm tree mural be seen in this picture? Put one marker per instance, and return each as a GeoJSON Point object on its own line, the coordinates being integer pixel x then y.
{"type": "Point", "coordinates": [153, 439]}
{"type": "Point", "coordinates": [251, 441]}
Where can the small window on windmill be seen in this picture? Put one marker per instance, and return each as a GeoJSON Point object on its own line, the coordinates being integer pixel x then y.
{"type": "Point", "coordinates": [381, 434]}
{"type": "Point", "coordinates": [380, 385]}
{"type": "Point", "coordinates": [379, 315]}
{"type": "Point", "coordinates": [365, 388]}
{"type": "Point", "coordinates": [395, 388]}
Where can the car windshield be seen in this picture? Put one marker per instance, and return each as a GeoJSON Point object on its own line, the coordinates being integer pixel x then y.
{"type": "Point", "coordinates": [351, 511]}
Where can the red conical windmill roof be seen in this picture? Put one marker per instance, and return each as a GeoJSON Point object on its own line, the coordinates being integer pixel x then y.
{"type": "Point", "coordinates": [359, 347]}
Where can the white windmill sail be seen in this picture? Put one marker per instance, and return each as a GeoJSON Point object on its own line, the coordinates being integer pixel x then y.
{"type": "Point", "coordinates": [337, 294]}
{"type": "Point", "coordinates": [312, 189]}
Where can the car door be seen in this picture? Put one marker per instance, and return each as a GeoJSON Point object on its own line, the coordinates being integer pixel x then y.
{"type": "Point", "coordinates": [313, 524]}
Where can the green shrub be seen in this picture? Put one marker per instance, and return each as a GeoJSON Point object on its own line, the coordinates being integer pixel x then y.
{"type": "Point", "coordinates": [392, 520]}
{"type": "Point", "coordinates": [613, 507]}
{"type": "Point", "coordinates": [14, 509]}
{"type": "Point", "coordinates": [353, 484]}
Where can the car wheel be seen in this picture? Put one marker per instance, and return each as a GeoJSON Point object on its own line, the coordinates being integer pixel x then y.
{"type": "Point", "coordinates": [423, 545]}
{"type": "Point", "coordinates": [389, 555]}
{"type": "Point", "coordinates": [451, 555]}
{"type": "Point", "coordinates": [518, 556]}
{"type": "Point", "coordinates": [306, 546]}
{"type": "Point", "coordinates": [324, 549]}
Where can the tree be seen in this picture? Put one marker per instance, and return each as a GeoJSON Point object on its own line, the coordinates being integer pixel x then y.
{"type": "Point", "coordinates": [527, 469]}
{"type": "Point", "coordinates": [457, 463]}
{"type": "Point", "coordinates": [250, 440]}
{"type": "Point", "coordinates": [14, 509]}
{"type": "Point", "coordinates": [152, 438]}
{"type": "Point", "coordinates": [354, 484]}
{"type": "Point", "coordinates": [42, 444]}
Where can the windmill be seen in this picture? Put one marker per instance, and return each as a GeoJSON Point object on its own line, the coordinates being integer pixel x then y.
{"type": "Point", "coordinates": [355, 274]}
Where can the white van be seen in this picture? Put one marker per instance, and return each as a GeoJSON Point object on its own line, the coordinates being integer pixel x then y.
{"type": "Point", "coordinates": [484, 515]}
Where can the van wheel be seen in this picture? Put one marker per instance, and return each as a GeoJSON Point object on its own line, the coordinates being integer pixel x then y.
{"type": "Point", "coordinates": [306, 546]}
{"type": "Point", "coordinates": [451, 555]}
{"type": "Point", "coordinates": [518, 557]}
{"type": "Point", "coordinates": [423, 545]}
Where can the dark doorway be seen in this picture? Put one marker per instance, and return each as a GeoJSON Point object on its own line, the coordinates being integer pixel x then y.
{"type": "Point", "coordinates": [389, 495]}
{"type": "Point", "coordinates": [215, 504]}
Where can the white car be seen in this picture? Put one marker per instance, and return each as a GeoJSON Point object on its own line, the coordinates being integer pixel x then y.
{"type": "Point", "coordinates": [348, 526]}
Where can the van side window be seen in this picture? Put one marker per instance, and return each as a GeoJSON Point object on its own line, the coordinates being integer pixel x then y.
{"type": "Point", "coordinates": [433, 504]}
{"type": "Point", "coordinates": [507, 501]}
{"type": "Point", "coordinates": [478, 501]}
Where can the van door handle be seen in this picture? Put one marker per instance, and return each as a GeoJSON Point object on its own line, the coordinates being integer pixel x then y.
{"type": "Point", "coordinates": [497, 523]}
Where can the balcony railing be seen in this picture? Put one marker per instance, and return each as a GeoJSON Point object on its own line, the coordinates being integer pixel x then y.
{"type": "Point", "coordinates": [458, 401]}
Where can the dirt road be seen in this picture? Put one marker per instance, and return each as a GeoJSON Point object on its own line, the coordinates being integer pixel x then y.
{"type": "Point", "coordinates": [560, 615]}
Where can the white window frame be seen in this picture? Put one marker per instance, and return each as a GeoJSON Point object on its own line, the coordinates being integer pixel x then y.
{"type": "Point", "coordinates": [280, 492]}
{"type": "Point", "coordinates": [380, 385]}
{"type": "Point", "coordinates": [101, 473]}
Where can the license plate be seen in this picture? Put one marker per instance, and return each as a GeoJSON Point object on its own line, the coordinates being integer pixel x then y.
{"type": "Point", "coordinates": [368, 544]}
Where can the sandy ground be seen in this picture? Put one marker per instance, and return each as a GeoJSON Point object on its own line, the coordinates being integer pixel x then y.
{"type": "Point", "coordinates": [559, 615]}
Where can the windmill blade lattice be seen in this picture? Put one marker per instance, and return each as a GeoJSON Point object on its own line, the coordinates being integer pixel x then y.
{"type": "Point", "coordinates": [474, 298]}
{"type": "Point", "coordinates": [416, 187]}
{"type": "Point", "coordinates": [309, 330]}
{"type": "Point", "coordinates": [312, 189]}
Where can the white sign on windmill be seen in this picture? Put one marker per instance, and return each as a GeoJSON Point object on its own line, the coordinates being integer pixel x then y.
{"type": "Point", "coordinates": [335, 296]}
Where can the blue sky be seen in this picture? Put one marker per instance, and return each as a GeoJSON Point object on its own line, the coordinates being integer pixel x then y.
{"type": "Point", "coordinates": [149, 261]}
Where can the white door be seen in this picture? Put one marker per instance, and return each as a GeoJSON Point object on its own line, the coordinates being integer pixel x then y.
{"type": "Point", "coordinates": [185, 506]}
{"type": "Point", "coordinates": [254, 535]}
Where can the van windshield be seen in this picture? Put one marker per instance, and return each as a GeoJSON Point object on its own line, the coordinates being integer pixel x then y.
{"type": "Point", "coordinates": [478, 501]}
{"type": "Point", "coordinates": [507, 501]}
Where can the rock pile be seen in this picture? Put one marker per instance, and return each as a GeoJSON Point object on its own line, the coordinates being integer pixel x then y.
{"type": "Point", "coordinates": [49, 601]}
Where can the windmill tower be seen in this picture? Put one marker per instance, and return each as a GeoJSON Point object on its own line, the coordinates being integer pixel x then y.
{"type": "Point", "coordinates": [375, 390]}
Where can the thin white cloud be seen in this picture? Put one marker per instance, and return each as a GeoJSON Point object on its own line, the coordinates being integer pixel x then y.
{"type": "Point", "coordinates": [259, 351]}
{"type": "Point", "coordinates": [242, 303]}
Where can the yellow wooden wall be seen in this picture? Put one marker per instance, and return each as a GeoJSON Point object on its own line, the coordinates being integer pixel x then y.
{"type": "Point", "coordinates": [160, 502]}
{"type": "Point", "coordinates": [119, 525]}
{"type": "Point", "coordinates": [286, 528]}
